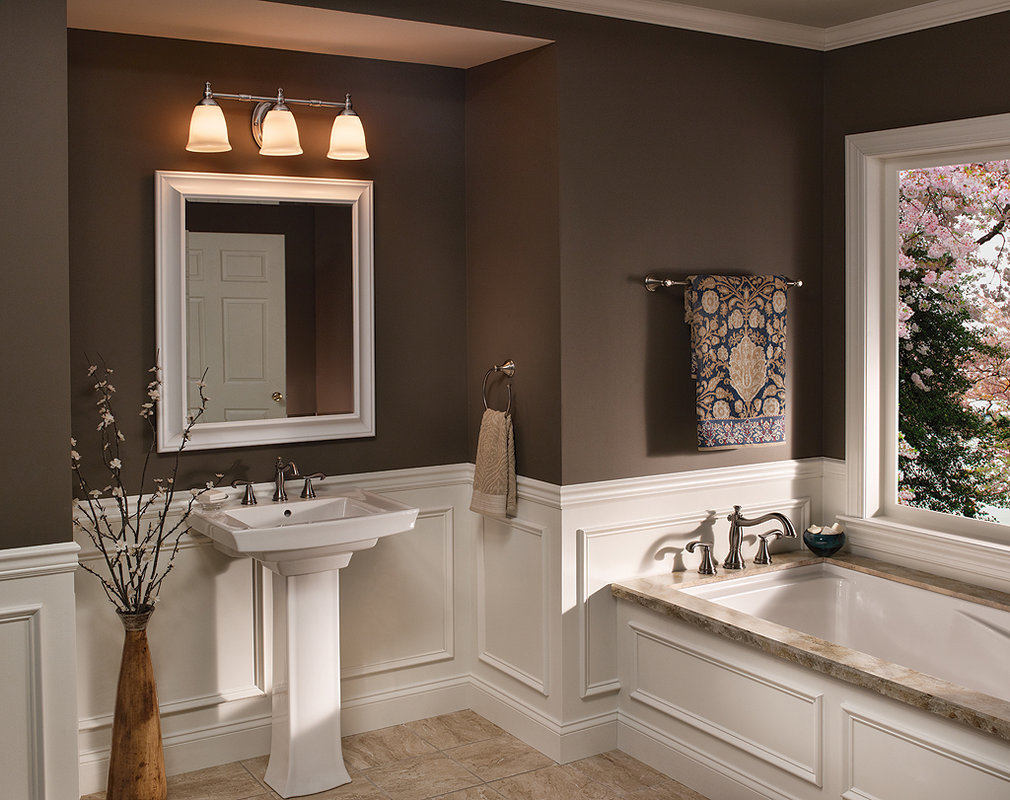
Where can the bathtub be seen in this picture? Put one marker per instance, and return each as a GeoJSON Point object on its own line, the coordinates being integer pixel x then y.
{"type": "Point", "coordinates": [815, 679]}
{"type": "Point", "coordinates": [949, 637]}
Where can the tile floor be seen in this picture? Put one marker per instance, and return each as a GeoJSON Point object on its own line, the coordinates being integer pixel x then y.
{"type": "Point", "coordinates": [458, 756]}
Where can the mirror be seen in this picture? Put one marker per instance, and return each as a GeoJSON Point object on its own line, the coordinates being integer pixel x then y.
{"type": "Point", "coordinates": [264, 287]}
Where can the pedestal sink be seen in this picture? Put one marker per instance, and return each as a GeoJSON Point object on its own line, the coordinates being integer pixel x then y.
{"type": "Point", "coordinates": [305, 543]}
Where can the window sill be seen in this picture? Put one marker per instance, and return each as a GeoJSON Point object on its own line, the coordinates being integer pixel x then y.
{"type": "Point", "coordinates": [976, 561]}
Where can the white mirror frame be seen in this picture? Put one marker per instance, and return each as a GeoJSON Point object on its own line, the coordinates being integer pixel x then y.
{"type": "Point", "coordinates": [172, 190]}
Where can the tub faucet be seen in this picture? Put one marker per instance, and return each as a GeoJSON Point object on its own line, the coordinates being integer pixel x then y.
{"type": "Point", "coordinates": [737, 522]}
{"type": "Point", "coordinates": [280, 468]}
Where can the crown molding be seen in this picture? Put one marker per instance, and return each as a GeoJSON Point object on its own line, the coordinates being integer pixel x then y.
{"type": "Point", "coordinates": [744, 26]}
{"type": "Point", "coordinates": [693, 18]}
{"type": "Point", "coordinates": [918, 18]}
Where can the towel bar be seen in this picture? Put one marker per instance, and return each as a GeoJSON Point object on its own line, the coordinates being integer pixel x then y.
{"type": "Point", "coordinates": [653, 282]}
{"type": "Point", "coordinates": [509, 369]}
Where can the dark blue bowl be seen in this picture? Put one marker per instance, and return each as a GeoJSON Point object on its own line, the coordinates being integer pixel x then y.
{"type": "Point", "coordinates": [824, 544]}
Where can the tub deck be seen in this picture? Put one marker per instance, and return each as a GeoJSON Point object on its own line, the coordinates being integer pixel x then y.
{"type": "Point", "coordinates": [976, 709]}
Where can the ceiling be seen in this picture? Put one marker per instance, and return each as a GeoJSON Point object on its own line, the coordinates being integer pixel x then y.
{"type": "Point", "coordinates": [812, 24]}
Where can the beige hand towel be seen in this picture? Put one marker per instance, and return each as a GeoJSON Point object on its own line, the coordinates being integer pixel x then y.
{"type": "Point", "coordinates": [494, 474]}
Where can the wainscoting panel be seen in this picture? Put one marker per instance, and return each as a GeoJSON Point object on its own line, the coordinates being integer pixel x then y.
{"type": "Point", "coordinates": [707, 693]}
{"type": "Point", "coordinates": [38, 704]}
{"type": "Point", "coordinates": [396, 604]}
{"type": "Point", "coordinates": [929, 769]}
{"type": "Point", "coordinates": [512, 594]}
{"type": "Point", "coordinates": [21, 734]}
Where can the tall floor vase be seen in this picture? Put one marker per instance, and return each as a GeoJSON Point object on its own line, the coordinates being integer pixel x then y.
{"type": "Point", "coordinates": [137, 760]}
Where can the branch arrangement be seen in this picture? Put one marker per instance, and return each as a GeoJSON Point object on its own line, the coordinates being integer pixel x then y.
{"type": "Point", "coordinates": [137, 537]}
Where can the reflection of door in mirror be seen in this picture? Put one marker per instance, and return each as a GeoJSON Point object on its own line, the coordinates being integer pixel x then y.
{"type": "Point", "coordinates": [313, 282]}
{"type": "Point", "coordinates": [235, 324]}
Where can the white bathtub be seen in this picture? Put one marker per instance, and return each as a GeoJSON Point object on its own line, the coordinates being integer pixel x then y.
{"type": "Point", "coordinates": [957, 640]}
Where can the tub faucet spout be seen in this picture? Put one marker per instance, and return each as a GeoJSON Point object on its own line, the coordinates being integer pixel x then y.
{"type": "Point", "coordinates": [737, 522]}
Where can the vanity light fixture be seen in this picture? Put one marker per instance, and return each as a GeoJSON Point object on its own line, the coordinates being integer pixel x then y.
{"type": "Point", "coordinates": [273, 126]}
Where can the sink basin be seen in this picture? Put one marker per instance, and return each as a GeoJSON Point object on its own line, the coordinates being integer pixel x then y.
{"type": "Point", "coordinates": [296, 537]}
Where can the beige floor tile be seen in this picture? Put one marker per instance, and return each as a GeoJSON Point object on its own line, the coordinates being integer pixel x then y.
{"type": "Point", "coordinates": [227, 782]}
{"type": "Point", "coordinates": [454, 730]}
{"type": "Point", "coordinates": [422, 777]}
{"type": "Point", "coordinates": [377, 748]}
{"type": "Point", "coordinates": [618, 770]}
{"type": "Point", "coordinates": [499, 758]}
{"type": "Point", "coordinates": [484, 792]}
{"type": "Point", "coordinates": [667, 790]}
{"type": "Point", "coordinates": [556, 783]}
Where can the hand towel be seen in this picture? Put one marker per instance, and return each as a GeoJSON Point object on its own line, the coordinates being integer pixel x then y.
{"type": "Point", "coordinates": [494, 474]}
{"type": "Point", "coordinates": [738, 343]}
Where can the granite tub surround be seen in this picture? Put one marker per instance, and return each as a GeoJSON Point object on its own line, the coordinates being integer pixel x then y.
{"type": "Point", "coordinates": [661, 593]}
{"type": "Point", "coordinates": [457, 756]}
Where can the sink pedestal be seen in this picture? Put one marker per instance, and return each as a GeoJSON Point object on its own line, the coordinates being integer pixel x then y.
{"type": "Point", "coordinates": [305, 751]}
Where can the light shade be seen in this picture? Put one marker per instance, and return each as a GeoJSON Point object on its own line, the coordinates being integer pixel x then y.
{"type": "Point", "coordinates": [208, 132]}
{"type": "Point", "coordinates": [347, 138]}
{"type": "Point", "coordinates": [280, 133]}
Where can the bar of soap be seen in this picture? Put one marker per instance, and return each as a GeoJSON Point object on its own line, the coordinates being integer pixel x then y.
{"type": "Point", "coordinates": [215, 496]}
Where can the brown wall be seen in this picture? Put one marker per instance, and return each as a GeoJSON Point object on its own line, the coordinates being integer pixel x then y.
{"type": "Point", "coordinates": [953, 72]}
{"type": "Point", "coordinates": [414, 120]}
{"type": "Point", "coordinates": [35, 423]}
{"type": "Point", "coordinates": [513, 258]}
{"type": "Point", "coordinates": [681, 153]}
{"type": "Point", "coordinates": [677, 152]}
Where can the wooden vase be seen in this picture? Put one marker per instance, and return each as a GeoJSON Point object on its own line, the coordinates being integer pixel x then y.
{"type": "Point", "coordinates": [137, 760]}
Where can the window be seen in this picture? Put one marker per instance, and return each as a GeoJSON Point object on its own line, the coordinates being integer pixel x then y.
{"type": "Point", "coordinates": [895, 298]}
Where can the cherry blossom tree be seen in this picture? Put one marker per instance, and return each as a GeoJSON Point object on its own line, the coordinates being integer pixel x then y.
{"type": "Point", "coordinates": [954, 338]}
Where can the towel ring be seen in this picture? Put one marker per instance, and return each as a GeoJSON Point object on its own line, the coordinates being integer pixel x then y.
{"type": "Point", "coordinates": [509, 369]}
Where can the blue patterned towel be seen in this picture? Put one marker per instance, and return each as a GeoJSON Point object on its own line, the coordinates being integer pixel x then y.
{"type": "Point", "coordinates": [738, 346]}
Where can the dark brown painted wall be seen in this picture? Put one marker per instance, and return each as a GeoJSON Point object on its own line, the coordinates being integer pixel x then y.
{"type": "Point", "coordinates": [35, 423]}
{"type": "Point", "coordinates": [678, 152]}
{"type": "Point", "coordinates": [513, 257]}
{"type": "Point", "coordinates": [953, 72]}
{"type": "Point", "coordinates": [414, 120]}
{"type": "Point", "coordinates": [681, 153]}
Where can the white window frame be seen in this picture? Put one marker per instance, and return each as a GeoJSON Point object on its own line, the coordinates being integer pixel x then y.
{"type": "Point", "coordinates": [875, 522]}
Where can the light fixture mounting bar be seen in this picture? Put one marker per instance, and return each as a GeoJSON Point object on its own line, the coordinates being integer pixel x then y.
{"type": "Point", "coordinates": [254, 98]}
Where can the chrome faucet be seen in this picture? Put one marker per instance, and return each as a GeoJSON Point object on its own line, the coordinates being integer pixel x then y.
{"type": "Point", "coordinates": [280, 468]}
{"type": "Point", "coordinates": [737, 522]}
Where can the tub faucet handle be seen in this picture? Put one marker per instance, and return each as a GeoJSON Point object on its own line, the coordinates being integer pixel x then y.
{"type": "Point", "coordinates": [707, 562]}
{"type": "Point", "coordinates": [763, 556]}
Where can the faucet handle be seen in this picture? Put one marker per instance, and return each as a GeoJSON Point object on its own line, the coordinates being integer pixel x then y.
{"type": "Point", "coordinates": [249, 498]}
{"type": "Point", "coordinates": [307, 490]}
{"type": "Point", "coordinates": [707, 563]}
{"type": "Point", "coordinates": [763, 556]}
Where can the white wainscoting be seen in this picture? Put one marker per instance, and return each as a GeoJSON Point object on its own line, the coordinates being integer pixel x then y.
{"type": "Point", "coordinates": [512, 618]}
{"type": "Point", "coordinates": [37, 739]}
{"type": "Point", "coordinates": [405, 606]}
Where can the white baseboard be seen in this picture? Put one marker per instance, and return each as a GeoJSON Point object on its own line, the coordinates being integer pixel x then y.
{"type": "Point", "coordinates": [561, 742]}
{"type": "Point", "coordinates": [405, 704]}
{"type": "Point", "coordinates": [193, 750]}
{"type": "Point", "coordinates": [711, 777]}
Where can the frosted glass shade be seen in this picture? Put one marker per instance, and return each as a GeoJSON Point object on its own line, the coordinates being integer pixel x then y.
{"type": "Point", "coordinates": [208, 132]}
{"type": "Point", "coordinates": [280, 134]}
{"type": "Point", "coordinates": [347, 138]}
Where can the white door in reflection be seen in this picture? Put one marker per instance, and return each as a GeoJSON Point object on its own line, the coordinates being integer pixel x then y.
{"type": "Point", "coordinates": [235, 324]}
